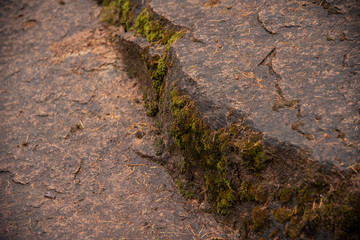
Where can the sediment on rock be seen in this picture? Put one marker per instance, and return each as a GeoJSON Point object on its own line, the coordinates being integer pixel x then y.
{"type": "Point", "coordinates": [258, 184]}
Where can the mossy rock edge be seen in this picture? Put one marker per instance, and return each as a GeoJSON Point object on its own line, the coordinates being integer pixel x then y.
{"type": "Point", "coordinates": [237, 169]}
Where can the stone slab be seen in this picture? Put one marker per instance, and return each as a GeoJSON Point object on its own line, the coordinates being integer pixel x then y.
{"type": "Point", "coordinates": [290, 67]}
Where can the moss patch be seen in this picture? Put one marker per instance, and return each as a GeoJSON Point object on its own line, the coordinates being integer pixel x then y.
{"type": "Point", "coordinates": [253, 156]}
{"type": "Point", "coordinates": [210, 151]}
{"type": "Point", "coordinates": [184, 189]}
{"type": "Point", "coordinates": [245, 192]}
{"type": "Point", "coordinates": [146, 25]}
{"type": "Point", "coordinates": [110, 14]}
{"type": "Point", "coordinates": [282, 214]}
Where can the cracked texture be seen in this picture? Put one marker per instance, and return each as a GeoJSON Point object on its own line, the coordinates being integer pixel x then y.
{"type": "Point", "coordinates": [278, 63]}
{"type": "Point", "coordinates": [68, 115]}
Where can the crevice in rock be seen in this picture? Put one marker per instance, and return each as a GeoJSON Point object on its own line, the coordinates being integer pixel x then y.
{"type": "Point", "coordinates": [262, 24]}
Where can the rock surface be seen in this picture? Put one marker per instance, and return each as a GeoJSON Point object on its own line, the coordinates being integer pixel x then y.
{"type": "Point", "coordinates": [290, 67]}
{"type": "Point", "coordinates": [258, 107]}
{"type": "Point", "coordinates": [69, 167]}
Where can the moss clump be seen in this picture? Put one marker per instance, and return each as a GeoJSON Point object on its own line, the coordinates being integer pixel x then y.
{"type": "Point", "coordinates": [184, 189]}
{"type": "Point", "coordinates": [310, 192]}
{"type": "Point", "coordinates": [253, 156]}
{"type": "Point", "coordinates": [110, 14]}
{"type": "Point", "coordinates": [285, 195]}
{"type": "Point", "coordinates": [282, 214]}
{"type": "Point", "coordinates": [158, 72]}
{"type": "Point", "coordinates": [151, 106]}
{"type": "Point", "coordinates": [127, 15]}
{"type": "Point", "coordinates": [155, 32]}
{"type": "Point", "coordinates": [146, 25]}
{"type": "Point", "coordinates": [201, 150]}
{"type": "Point", "coordinates": [259, 217]}
{"type": "Point", "coordinates": [340, 209]}
{"type": "Point", "coordinates": [210, 152]}
{"type": "Point", "coordinates": [225, 200]}
{"type": "Point", "coordinates": [261, 193]}
{"type": "Point", "coordinates": [116, 12]}
{"type": "Point", "coordinates": [245, 192]}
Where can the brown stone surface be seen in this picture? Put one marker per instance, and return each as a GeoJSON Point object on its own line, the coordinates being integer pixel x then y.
{"type": "Point", "coordinates": [74, 135]}
{"type": "Point", "coordinates": [290, 67]}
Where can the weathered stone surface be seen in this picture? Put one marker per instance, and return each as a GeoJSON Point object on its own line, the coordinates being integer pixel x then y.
{"type": "Point", "coordinates": [69, 167]}
{"type": "Point", "coordinates": [291, 67]}
{"type": "Point", "coordinates": [259, 110]}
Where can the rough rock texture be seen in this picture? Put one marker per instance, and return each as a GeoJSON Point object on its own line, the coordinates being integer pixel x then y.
{"type": "Point", "coordinates": [291, 67]}
{"type": "Point", "coordinates": [74, 136]}
{"type": "Point", "coordinates": [260, 110]}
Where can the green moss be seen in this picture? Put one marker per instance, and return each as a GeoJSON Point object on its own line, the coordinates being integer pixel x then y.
{"type": "Point", "coordinates": [310, 192]}
{"type": "Point", "coordinates": [282, 214]}
{"type": "Point", "coordinates": [154, 30]}
{"type": "Point", "coordinates": [127, 15]}
{"type": "Point", "coordinates": [117, 12]}
{"type": "Point", "coordinates": [225, 200]}
{"type": "Point", "coordinates": [174, 37]}
{"type": "Point", "coordinates": [253, 156]}
{"type": "Point", "coordinates": [184, 189]}
{"type": "Point", "coordinates": [152, 107]}
{"type": "Point", "coordinates": [111, 12]}
{"type": "Point", "coordinates": [158, 74]}
{"type": "Point", "coordinates": [180, 186]}
{"type": "Point", "coordinates": [245, 192]}
{"type": "Point", "coordinates": [341, 208]}
{"type": "Point", "coordinates": [189, 195]}
{"type": "Point", "coordinates": [259, 217]}
{"type": "Point", "coordinates": [146, 25]}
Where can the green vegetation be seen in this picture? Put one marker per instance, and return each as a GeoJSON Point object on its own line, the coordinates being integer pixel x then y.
{"type": "Point", "coordinates": [184, 189]}
{"type": "Point", "coordinates": [253, 156]}
{"type": "Point", "coordinates": [210, 151]}
{"type": "Point", "coordinates": [111, 11]}
{"type": "Point", "coordinates": [245, 192]}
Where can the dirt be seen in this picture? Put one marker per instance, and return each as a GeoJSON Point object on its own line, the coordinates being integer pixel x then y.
{"type": "Point", "coordinates": [74, 135]}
